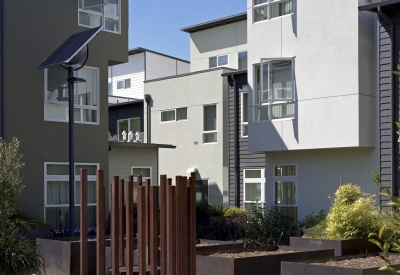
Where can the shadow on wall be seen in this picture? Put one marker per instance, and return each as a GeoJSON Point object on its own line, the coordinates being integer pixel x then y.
{"type": "Point", "coordinates": [294, 19]}
{"type": "Point", "coordinates": [210, 193]}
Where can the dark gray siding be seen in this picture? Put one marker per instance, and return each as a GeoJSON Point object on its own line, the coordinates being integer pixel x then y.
{"type": "Point", "coordinates": [245, 159]}
{"type": "Point", "coordinates": [124, 111]}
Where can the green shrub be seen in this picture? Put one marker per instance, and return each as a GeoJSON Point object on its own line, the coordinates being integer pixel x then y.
{"type": "Point", "coordinates": [234, 212]}
{"type": "Point", "coordinates": [222, 228]}
{"type": "Point", "coordinates": [210, 210]}
{"type": "Point", "coordinates": [314, 222]}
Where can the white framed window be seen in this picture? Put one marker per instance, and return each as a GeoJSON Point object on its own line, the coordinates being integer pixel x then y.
{"type": "Point", "coordinates": [210, 124]}
{"type": "Point", "coordinates": [124, 84]}
{"type": "Point", "coordinates": [127, 125]}
{"type": "Point", "coordinates": [274, 89]}
{"type": "Point", "coordinates": [56, 192]}
{"type": "Point", "coordinates": [244, 116]}
{"type": "Point", "coordinates": [269, 9]}
{"type": "Point", "coordinates": [86, 95]}
{"type": "Point", "coordinates": [173, 115]}
{"type": "Point", "coordinates": [253, 187]}
{"type": "Point", "coordinates": [144, 171]}
{"type": "Point", "coordinates": [242, 60]}
{"type": "Point", "coordinates": [94, 13]}
{"type": "Point", "coordinates": [285, 184]}
{"type": "Point", "coordinates": [218, 61]}
{"type": "Point", "coordinates": [202, 191]}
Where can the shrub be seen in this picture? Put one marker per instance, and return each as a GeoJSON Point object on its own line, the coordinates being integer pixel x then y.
{"type": "Point", "coordinates": [314, 222]}
{"type": "Point", "coordinates": [234, 212]}
{"type": "Point", "coordinates": [222, 228]}
{"type": "Point", "coordinates": [210, 210]}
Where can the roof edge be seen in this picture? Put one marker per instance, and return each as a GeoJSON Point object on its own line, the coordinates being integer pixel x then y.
{"type": "Point", "coordinates": [373, 6]}
{"type": "Point", "coordinates": [141, 50]}
{"type": "Point", "coordinates": [216, 23]}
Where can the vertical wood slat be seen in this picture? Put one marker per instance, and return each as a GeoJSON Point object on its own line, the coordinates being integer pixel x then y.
{"type": "Point", "coordinates": [147, 186]}
{"type": "Point", "coordinates": [139, 180]}
{"type": "Point", "coordinates": [129, 227]}
{"type": "Point", "coordinates": [184, 261]}
{"type": "Point", "coordinates": [163, 226]}
{"type": "Point", "coordinates": [114, 225]}
{"type": "Point", "coordinates": [83, 221]}
{"type": "Point", "coordinates": [193, 225]}
{"type": "Point", "coordinates": [178, 226]}
{"type": "Point", "coordinates": [121, 217]}
{"type": "Point", "coordinates": [141, 230]}
{"type": "Point", "coordinates": [153, 248]}
{"type": "Point", "coordinates": [100, 223]}
{"type": "Point", "coordinates": [171, 229]}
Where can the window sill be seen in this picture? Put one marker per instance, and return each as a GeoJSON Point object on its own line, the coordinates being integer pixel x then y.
{"type": "Point", "coordinates": [104, 30]}
{"type": "Point", "coordinates": [267, 20]}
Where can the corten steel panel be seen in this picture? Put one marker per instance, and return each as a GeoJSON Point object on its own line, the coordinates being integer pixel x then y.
{"type": "Point", "coordinates": [341, 247]}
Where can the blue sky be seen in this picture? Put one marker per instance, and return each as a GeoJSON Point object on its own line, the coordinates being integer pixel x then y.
{"type": "Point", "coordinates": [156, 24]}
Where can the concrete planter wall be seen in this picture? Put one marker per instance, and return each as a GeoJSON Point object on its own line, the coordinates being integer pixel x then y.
{"type": "Point", "coordinates": [62, 255]}
{"type": "Point", "coordinates": [34, 232]}
{"type": "Point", "coordinates": [341, 247]}
{"type": "Point", "coordinates": [259, 265]}
{"type": "Point", "coordinates": [306, 268]}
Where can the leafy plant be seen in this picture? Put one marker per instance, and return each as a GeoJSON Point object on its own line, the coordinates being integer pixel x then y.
{"type": "Point", "coordinates": [17, 255]}
{"type": "Point", "coordinates": [314, 222]}
{"type": "Point", "coordinates": [210, 210]}
{"type": "Point", "coordinates": [234, 212]}
{"type": "Point", "coordinates": [223, 228]}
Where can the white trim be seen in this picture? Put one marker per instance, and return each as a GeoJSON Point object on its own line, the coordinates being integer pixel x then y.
{"type": "Point", "coordinates": [216, 56]}
{"type": "Point", "coordinates": [216, 122]}
{"type": "Point", "coordinates": [102, 14]}
{"type": "Point", "coordinates": [143, 178]}
{"type": "Point", "coordinates": [260, 180]}
{"type": "Point", "coordinates": [268, 4]}
{"type": "Point", "coordinates": [64, 178]}
{"type": "Point", "coordinates": [176, 115]}
{"type": "Point", "coordinates": [245, 51]}
{"type": "Point", "coordinates": [286, 178]}
{"type": "Point", "coordinates": [129, 125]}
{"type": "Point", "coordinates": [242, 123]}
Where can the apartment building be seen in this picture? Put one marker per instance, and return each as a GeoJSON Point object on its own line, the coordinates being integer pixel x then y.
{"type": "Point", "coordinates": [312, 101]}
{"type": "Point", "coordinates": [34, 107]}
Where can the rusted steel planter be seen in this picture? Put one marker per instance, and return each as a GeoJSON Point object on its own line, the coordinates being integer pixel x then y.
{"type": "Point", "coordinates": [62, 255]}
{"type": "Point", "coordinates": [341, 247]}
{"type": "Point", "coordinates": [258, 265]}
{"type": "Point", "coordinates": [306, 268]}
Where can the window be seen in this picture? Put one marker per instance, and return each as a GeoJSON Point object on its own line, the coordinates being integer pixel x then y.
{"type": "Point", "coordinates": [127, 125]}
{"type": "Point", "coordinates": [254, 187]}
{"type": "Point", "coordinates": [56, 189]}
{"type": "Point", "coordinates": [210, 124]}
{"type": "Point", "coordinates": [245, 120]}
{"type": "Point", "coordinates": [93, 13]}
{"type": "Point", "coordinates": [268, 9]}
{"type": "Point", "coordinates": [85, 95]}
{"type": "Point", "coordinates": [274, 90]}
{"type": "Point", "coordinates": [218, 61]}
{"type": "Point", "coordinates": [285, 184]}
{"type": "Point", "coordinates": [124, 84]}
{"type": "Point", "coordinates": [202, 192]}
{"type": "Point", "coordinates": [144, 171]}
{"type": "Point", "coordinates": [242, 60]}
{"type": "Point", "coordinates": [174, 115]}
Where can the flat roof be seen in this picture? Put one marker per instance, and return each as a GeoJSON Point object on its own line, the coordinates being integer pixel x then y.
{"type": "Point", "coordinates": [141, 50]}
{"type": "Point", "coordinates": [235, 73]}
{"type": "Point", "coordinates": [140, 144]}
{"type": "Point", "coordinates": [374, 6]}
{"type": "Point", "coordinates": [216, 23]}
{"type": "Point", "coordinates": [120, 100]}
{"type": "Point", "coordinates": [191, 73]}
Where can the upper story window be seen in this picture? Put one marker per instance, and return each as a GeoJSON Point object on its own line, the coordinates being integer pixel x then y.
{"type": "Point", "coordinates": [245, 120]}
{"type": "Point", "coordinates": [242, 60]}
{"type": "Point", "coordinates": [124, 84]}
{"type": "Point", "coordinates": [86, 95]}
{"type": "Point", "coordinates": [274, 89]}
{"type": "Point", "coordinates": [218, 61]}
{"type": "Point", "coordinates": [128, 125]}
{"type": "Point", "coordinates": [93, 13]}
{"type": "Point", "coordinates": [268, 9]}
{"type": "Point", "coordinates": [210, 123]}
{"type": "Point", "coordinates": [174, 115]}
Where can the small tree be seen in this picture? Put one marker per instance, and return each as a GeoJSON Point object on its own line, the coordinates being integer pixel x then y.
{"type": "Point", "coordinates": [18, 256]}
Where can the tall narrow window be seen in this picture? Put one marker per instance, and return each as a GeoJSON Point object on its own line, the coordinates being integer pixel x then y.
{"type": "Point", "coordinates": [56, 200]}
{"type": "Point", "coordinates": [127, 125]}
{"type": "Point", "coordinates": [209, 123]}
{"type": "Point", "coordinates": [202, 192]}
{"type": "Point", "coordinates": [242, 60]}
{"type": "Point", "coordinates": [254, 187]}
{"type": "Point", "coordinates": [244, 115]}
{"type": "Point", "coordinates": [285, 181]}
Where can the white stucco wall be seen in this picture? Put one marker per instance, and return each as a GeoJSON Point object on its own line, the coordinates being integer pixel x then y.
{"type": "Point", "coordinates": [336, 94]}
{"type": "Point", "coordinates": [227, 39]}
{"type": "Point", "coordinates": [192, 91]}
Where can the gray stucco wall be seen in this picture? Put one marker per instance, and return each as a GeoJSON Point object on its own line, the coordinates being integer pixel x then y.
{"type": "Point", "coordinates": [33, 30]}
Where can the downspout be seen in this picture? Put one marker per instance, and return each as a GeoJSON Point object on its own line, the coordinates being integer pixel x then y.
{"type": "Point", "coordinates": [236, 143]}
{"type": "Point", "coordinates": [2, 72]}
{"type": "Point", "coordinates": [390, 21]}
{"type": "Point", "coordinates": [147, 98]}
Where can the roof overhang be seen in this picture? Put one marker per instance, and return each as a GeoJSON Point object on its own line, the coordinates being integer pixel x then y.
{"type": "Point", "coordinates": [141, 145]}
{"type": "Point", "coordinates": [216, 23]}
{"type": "Point", "coordinates": [235, 73]}
{"type": "Point", "coordinates": [373, 7]}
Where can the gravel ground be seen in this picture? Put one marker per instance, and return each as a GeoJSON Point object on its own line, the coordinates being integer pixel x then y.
{"type": "Point", "coordinates": [249, 254]}
{"type": "Point", "coordinates": [368, 262]}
